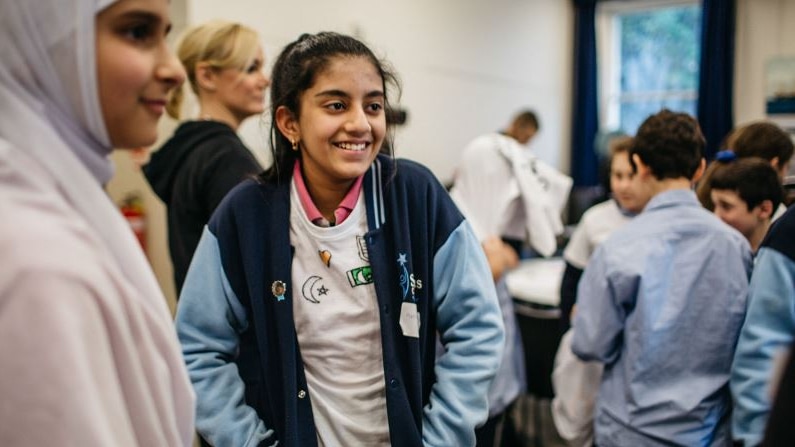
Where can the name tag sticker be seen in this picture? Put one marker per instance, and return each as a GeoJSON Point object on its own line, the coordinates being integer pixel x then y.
{"type": "Point", "coordinates": [410, 320]}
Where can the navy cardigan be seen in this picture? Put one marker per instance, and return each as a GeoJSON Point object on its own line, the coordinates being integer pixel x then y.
{"type": "Point", "coordinates": [410, 217]}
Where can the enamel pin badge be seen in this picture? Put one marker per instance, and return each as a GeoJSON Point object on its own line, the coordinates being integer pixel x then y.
{"type": "Point", "coordinates": [325, 257]}
{"type": "Point", "coordinates": [278, 288]}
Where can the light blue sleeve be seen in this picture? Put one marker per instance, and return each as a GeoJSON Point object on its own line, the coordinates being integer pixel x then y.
{"type": "Point", "coordinates": [209, 321]}
{"type": "Point", "coordinates": [599, 319]}
{"type": "Point", "coordinates": [471, 331]}
{"type": "Point", "coordinates": [767, 333]}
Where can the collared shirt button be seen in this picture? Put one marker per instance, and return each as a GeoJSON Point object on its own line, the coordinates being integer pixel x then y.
{"type": "Point", "coordinates": [301, 394]}
{"type": "Point", "coordinates": [394, 383]}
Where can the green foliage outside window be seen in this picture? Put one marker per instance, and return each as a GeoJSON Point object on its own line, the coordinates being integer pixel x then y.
{"type": "Point", "coordinates": [660, 52]}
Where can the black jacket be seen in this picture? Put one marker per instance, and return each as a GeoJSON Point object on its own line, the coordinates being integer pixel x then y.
{"type": "Point", "coordinates": [191, 173]}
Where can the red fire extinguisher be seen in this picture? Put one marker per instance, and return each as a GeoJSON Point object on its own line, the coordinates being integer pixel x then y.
{"type": "Point", "coordinates": [132, 208]}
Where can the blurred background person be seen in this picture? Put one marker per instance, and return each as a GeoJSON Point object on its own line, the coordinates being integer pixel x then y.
{"type": "Point", "coordinates": [627, 200]}
{"type": "Point", "coordinates": [576, 382]}
{"type": "Point", "coordinates": [205, 158]}
{"type": "Point", "coordinates": [511, 198]}
{"type": "Point", "coordinates": [761, 139]}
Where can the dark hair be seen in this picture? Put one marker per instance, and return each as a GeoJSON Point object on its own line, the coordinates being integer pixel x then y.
{"type": "Point", "coordinates": [670, 143]}
{"type": "Point", "coordinates": [763, 139]}
{"type": "Point", "coordinates": [296, 70]}
{"type": "Point", "coordinates": [526, 118]}
{"type": "Point", "coordinates": [752, 178]}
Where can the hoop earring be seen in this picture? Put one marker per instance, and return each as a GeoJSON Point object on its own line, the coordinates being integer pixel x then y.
{"type": "Point", "coordinates": [294, 144]}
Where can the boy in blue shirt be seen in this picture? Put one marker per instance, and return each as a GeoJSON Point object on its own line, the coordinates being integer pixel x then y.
{"type": "Point", "coordinates": [662, 301]}
{"type": "Point", "coordinates": [767, 333]}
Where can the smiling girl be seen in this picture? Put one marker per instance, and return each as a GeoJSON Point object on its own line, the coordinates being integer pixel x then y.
{"type": "Point", "coordinates": [89, 354]}
{"type": "Point", "coordinates": [311, 311]}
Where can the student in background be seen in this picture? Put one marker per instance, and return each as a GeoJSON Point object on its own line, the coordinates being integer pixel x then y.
{"type": "Point", "coordinates": [577, 382]}
{"type": "Point", "coordinates": [508, 192]}
{"type": "Point", "coordinates": [599, 221]}
{"type": "Point", "coordinates": [89, 356]}
{"type": "Point", "coordinates": [766, 140]}
{"type": "Point", "coordinates": [510, 381]}
{"type": "Point", "coordinates": [662, 301]}
{"type": "Point", "coordinates": [767, 333]}
{"type": "Point", "coordinates": [524, 126]}
{"type": "Point", "coordinates": [205, 158]}
{"type": "Point", "coordinates": [312, 307]}
{"type": "Point", "coordinates": [510, 197]}
{"type": "Point", "coordinates": [761, 139]}
{"type": "Point", "coordinates": [746, 192]}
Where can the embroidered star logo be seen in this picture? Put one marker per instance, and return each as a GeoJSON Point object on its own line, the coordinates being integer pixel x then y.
{"type": "Point", "coordinates": [402, 259]}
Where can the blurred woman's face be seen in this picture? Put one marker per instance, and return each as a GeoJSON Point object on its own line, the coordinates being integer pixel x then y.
{"type": "Point", "coordinates": [242, 92]}
{"type": "Point", "coordinates": [629, 195]}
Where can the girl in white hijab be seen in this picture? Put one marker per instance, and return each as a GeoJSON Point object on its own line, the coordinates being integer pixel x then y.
{"type": "Point", "coordinates": [88, 349]}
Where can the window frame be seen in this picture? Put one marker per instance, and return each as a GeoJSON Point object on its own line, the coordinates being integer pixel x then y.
{"type": "Point", "coordinates": [608, 50]}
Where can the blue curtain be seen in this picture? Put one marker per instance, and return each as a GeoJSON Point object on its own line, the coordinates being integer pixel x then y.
{"type": "Point", "coordinates": [585, 121]}
{"type": "Point", "coordinates": [716, 76]}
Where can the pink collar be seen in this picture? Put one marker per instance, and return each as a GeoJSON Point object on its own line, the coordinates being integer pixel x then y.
{"type": "Point", "coordinates": [343, 210]}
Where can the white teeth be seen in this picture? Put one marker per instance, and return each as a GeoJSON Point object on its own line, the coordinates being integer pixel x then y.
{"type": "Point", "coordinates": [352, 147]}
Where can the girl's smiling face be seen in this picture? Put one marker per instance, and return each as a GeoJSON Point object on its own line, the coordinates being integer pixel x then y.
{"type": "Point", "coordinates": [135, 69]}
{"type": "Point", "coordinates": [341, 124]}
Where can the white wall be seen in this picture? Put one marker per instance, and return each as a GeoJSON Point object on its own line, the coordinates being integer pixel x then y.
{"type": "Point", "coordinates": [466, 65]}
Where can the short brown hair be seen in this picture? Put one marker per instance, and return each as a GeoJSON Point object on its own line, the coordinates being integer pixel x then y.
{"type": "Point", "coordinates": [763, 139]}
{"type": "Point", "coordinates": [670, 143]}
{"type": "Point", "coordinates": [752, 178]}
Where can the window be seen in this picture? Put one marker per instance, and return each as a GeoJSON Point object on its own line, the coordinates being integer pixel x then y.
{"type": "Point", "coordinates": [648, 59]}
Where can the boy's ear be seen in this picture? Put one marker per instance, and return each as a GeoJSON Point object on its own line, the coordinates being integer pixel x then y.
{"type": "Point", "coordinates": [700, 171]}
{"type": "Point", "coordinates": [765, 209]}
{"type": "Point", "coordinates": [205, 76]}
{"type": "Point", "coordinates": [288, 124]}
{"type": "Point", "coordinates": [642, 170]}
{"type": "Point", "coordinates": [780, 169]}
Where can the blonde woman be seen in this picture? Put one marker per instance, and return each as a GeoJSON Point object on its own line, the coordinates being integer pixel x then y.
{"type": "Point", "coordinates": [205, 158]}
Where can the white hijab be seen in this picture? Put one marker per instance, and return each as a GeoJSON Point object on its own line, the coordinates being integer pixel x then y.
{"type": "Point", "coordinates": [49, 104]}
{"type": "Point", "coordinates": [51, 121]}
{"type": "Point", "coordinates": [48, 82]}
